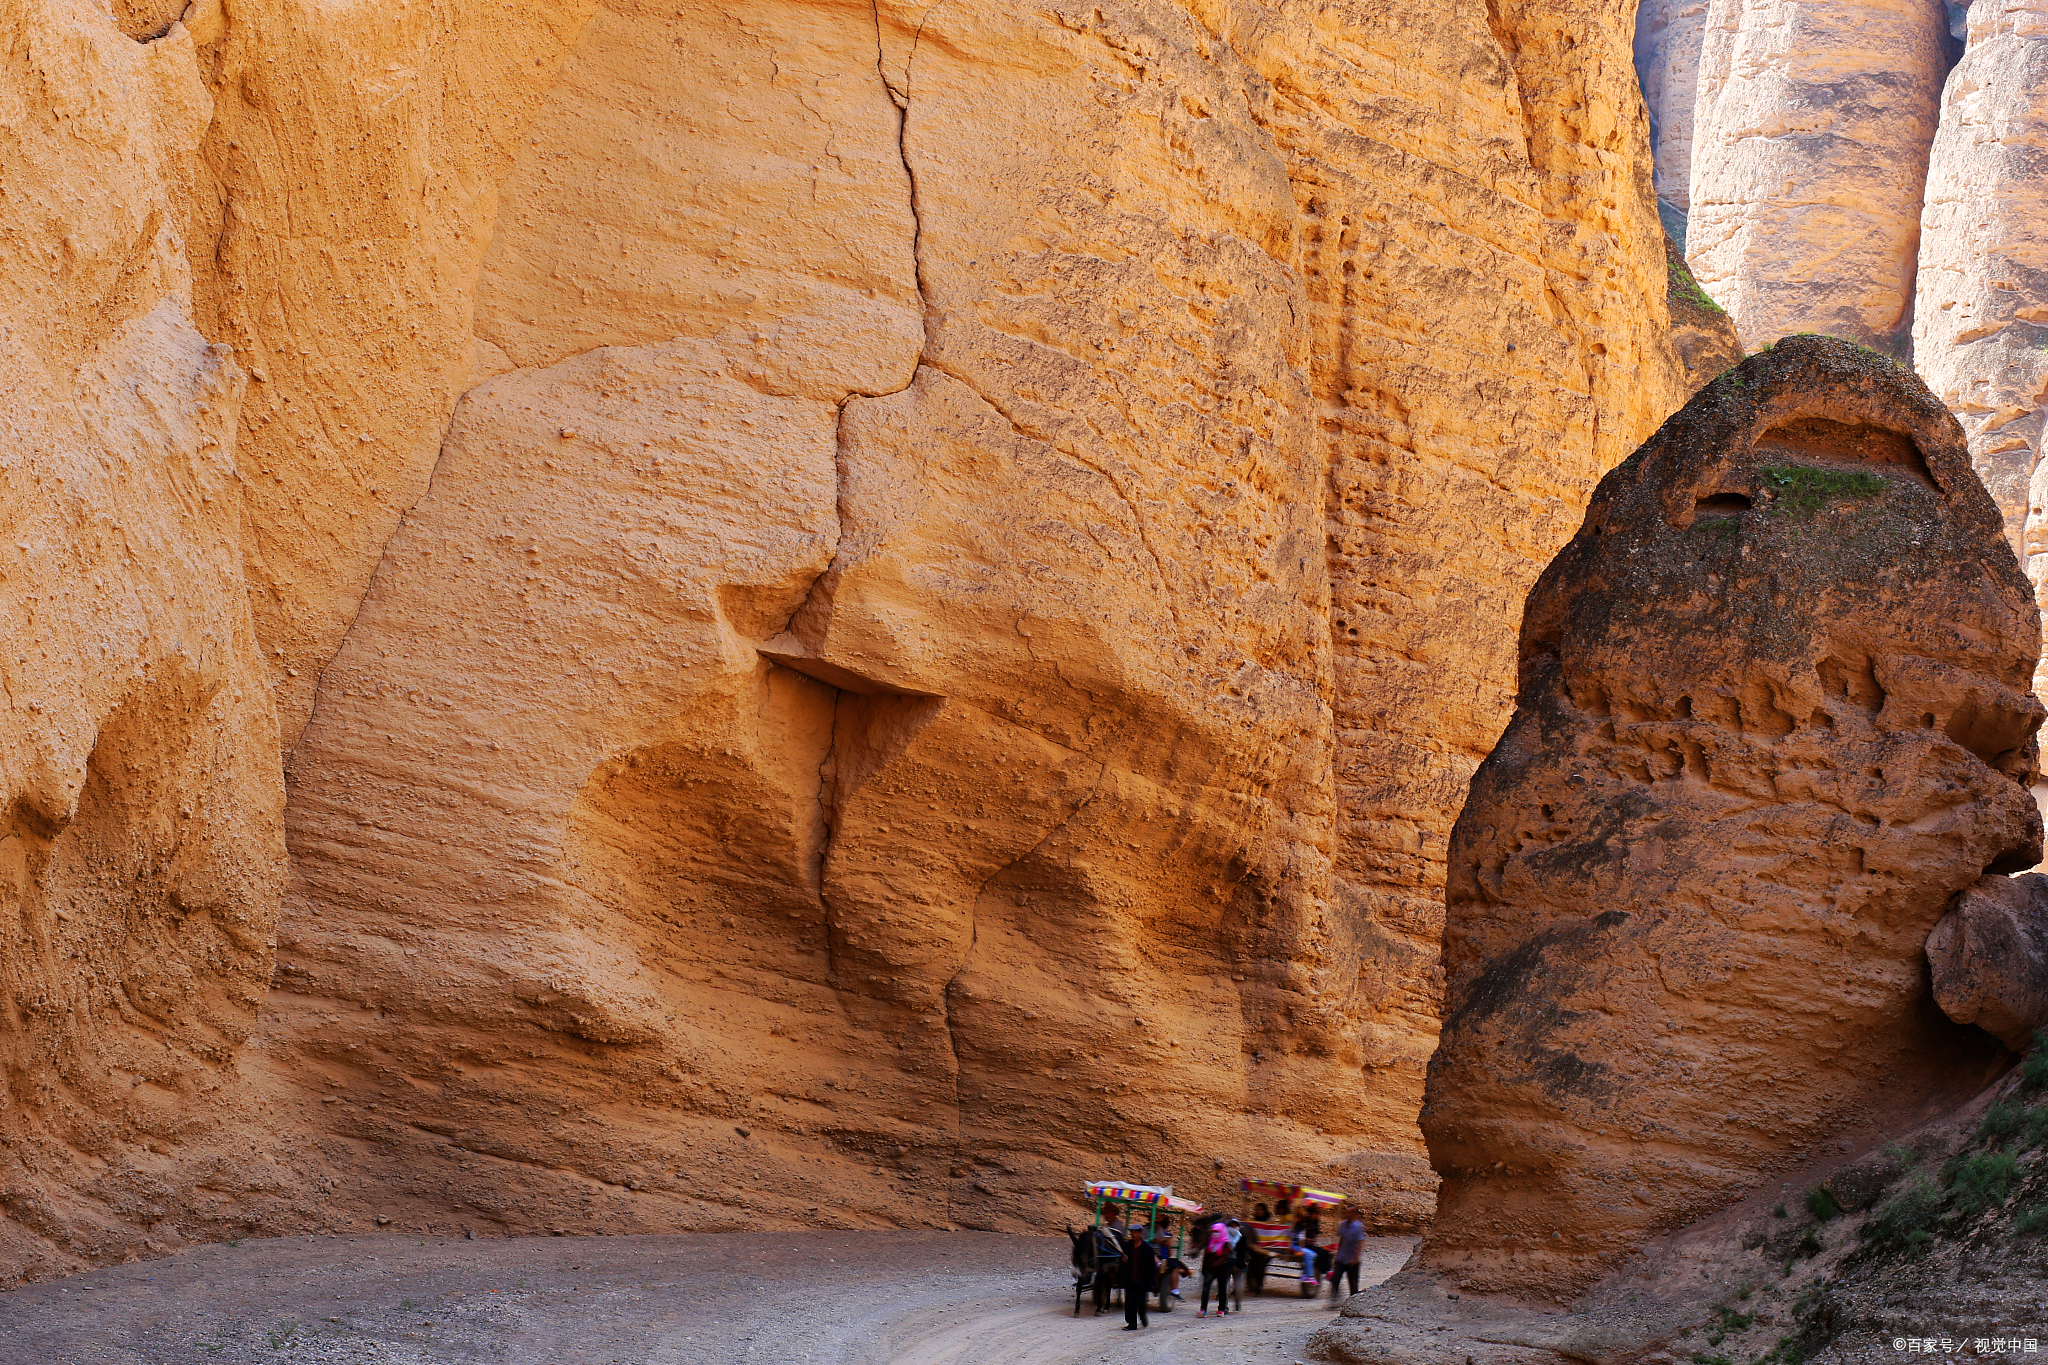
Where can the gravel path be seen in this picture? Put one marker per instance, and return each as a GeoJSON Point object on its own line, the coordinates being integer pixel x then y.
{"type": "Point", "coordinates": [831, 1298]}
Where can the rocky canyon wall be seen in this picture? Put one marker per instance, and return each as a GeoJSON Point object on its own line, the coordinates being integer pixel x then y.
{"type": "Point", "coordinates": [1871, 172]}
{"type": "Point", "coordinates": [143, 855]}
{"type": "Point", "coordinates": [874, 610]}
{"type": "Point", "coordinates": [1981, 331]}
{"type": "Point", "coordinates": [1811, 128]}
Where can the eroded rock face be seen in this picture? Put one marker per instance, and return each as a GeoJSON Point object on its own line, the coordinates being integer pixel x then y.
{"type": "Point", "coordinates": [877, 609]}
{"type": "Point", "coordinates": [1774, 716]}
{"type": "Point", "coordinates": [1810, 139]}
{"type": "Point", "coordinates": [1980, 332]}
{"type": "Point", "coordinates": [1989, 958]}
{"type": "Point", "coordinates": [141, 849]}
{"type": "Point", "coordinates": [1024, 673]}
{"type": "Point", "coordinates": [1667, 52]}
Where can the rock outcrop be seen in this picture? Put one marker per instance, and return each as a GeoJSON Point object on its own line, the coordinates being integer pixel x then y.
{"type": "Point", "coordinates": [1811, 129]}
{"type": "Point", "coordinates": [1980, 331]}
{"type": "Point", "coordinates": [1667, 55]}
{"type": "Point", "coordinates": [1774, 716]}
{"type": "Point", "coordinates": [1702, 333]}
{"type": "Point", "coordinates": [1988, 958]}
{"type": "Point", "coordinates": [875, 609]}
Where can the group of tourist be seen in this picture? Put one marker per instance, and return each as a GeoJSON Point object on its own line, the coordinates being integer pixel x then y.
{"type": "Point", "coordinates": [1228, 1255]}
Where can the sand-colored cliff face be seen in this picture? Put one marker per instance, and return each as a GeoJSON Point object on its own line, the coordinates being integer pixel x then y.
{"type": "Point", "coordinates": [142, 857]}
{"type": "Point", "coordinates": [901, 600]}
{"type": "Point", "coordinates": [1980, 334]}
{"type": "Point", "coordinates": [349, 183]}
{"type": "Point", "coordinates": [1809, 150]}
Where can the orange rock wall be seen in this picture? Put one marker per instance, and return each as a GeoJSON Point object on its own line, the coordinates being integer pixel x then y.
{"type": "Point", "coordinates": [874, 611]}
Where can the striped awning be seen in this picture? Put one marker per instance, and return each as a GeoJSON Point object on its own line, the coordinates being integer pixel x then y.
{"type": "Point", "coordinates": [1294, 1194]}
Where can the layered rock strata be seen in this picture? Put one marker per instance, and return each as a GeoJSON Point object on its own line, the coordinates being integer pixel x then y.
{"type": "Point", "coordinates": [142, 852]}
{"type": "Point", "coordinates": [1774, 716]}
{"type": "Point", "coordinates": [1810, 141]}
{"type": "Point", "coordinates": [860, 643]}
{"type": "Point", "coordinates": [1980, 333]}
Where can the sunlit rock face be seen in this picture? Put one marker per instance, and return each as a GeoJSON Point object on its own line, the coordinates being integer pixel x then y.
{"type": "Point", "coordinates": [1774, 716]}
{"type": "Point", "coordinates": [870, 610]}
{"type": "Point", "coordinates": [1809, 149]}
{"type": "Point", "coordinates": [1980, 331]}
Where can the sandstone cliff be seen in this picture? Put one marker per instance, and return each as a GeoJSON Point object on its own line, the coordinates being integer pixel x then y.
{"type": "Point", "coordinates": [1980, 334]}
{"type": "Point", "coordinates": [1810, 139]}
{"type": "Point", "coordinates": [1774, 717]}
{"type": "Point", "coordinates": [875, 609]}
{"type": "Point", "coordinates": [1669, 34]}
{"type": "Point", "coordinates": [143, 856]}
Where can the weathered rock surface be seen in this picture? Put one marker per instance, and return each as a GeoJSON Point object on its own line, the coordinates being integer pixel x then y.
{"type": "Point", "coordinates": [142, 856]}
{"type": "Point", "coordinates": [1980, 330]}
{"type": "Point", "coordinates": [1773, 718]}
{"type": "Point", "coordinates": [1989, 958]}
{"type": "Point", "coordinates": [959, 532]}
{"type": "Point", "coordinates": [1702, 333]}
{"type": "Point", "coordinates": [1667, 55]}
{"type": "Point", "coordinates": [1832, 1260]}
{"type": "Point", "coordinates": [1024, 780]}
{"type": "Point", "coordinates": [1810, 142]}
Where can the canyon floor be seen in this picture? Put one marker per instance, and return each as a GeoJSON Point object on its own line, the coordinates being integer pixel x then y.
{"type": "Point", "coordinates": [834, 1298]}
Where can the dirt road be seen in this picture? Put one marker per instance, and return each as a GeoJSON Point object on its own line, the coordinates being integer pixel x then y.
{"type": "Point", "coordinates": [833, 1298]}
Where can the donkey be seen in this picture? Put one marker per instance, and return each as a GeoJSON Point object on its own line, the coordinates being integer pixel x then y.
{"type": "Point", "coordinates": [1096, 1261]}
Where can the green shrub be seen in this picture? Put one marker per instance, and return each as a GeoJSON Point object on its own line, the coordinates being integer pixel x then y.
{"type": "Point", "coordinates": [1684, 286]}
{"type": "Point", "coordinates": [1903, 1222]}
{"type": "Point", "coordinates": [1809, 1245]}
{"type": "Point", "coordinates": [2001, 1121]}
{"type": "Point", "coordinates": [1820, 1202]}
{"type": "Point", "coordinates": [1732, 1321]}
{"type": "Point", "coordinates": [2034, 1071]}
{"type": "Point", "coordinates": [1981, 1181]}
{"type": "Point", "coordinates": [2037, 1126]}
{"type": "Point", "coordinates": [1778, 1212]}
{"type": "Point", "coordinates": [1804, 489]}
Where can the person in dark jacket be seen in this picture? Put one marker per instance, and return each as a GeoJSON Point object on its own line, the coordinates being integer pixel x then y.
{"type": "Point", "coordinates": [1141, 1275]}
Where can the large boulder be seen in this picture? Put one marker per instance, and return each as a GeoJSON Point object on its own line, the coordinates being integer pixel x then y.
{"type": "Point", "coordinates": [1773, 717]}
{"type": "Point", "coordinates": [1988, 957]}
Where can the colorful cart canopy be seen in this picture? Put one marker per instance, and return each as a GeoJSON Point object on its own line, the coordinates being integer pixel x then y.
{"type": "Point", "coordinates": [1276, 1190]}
{"type": "Point", "coordinates": [1146, 1196]}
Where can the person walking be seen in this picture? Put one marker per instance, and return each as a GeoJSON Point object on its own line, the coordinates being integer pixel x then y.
{"type": "Point", "coordinates": [1216, 1269]}
{"type": "Point", "coordinates": [1241, 1242]}
{"type": "Point", "coordinates": [1141, 1275]}
{"type": "Point", "coordinates": [1350, 1250]}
